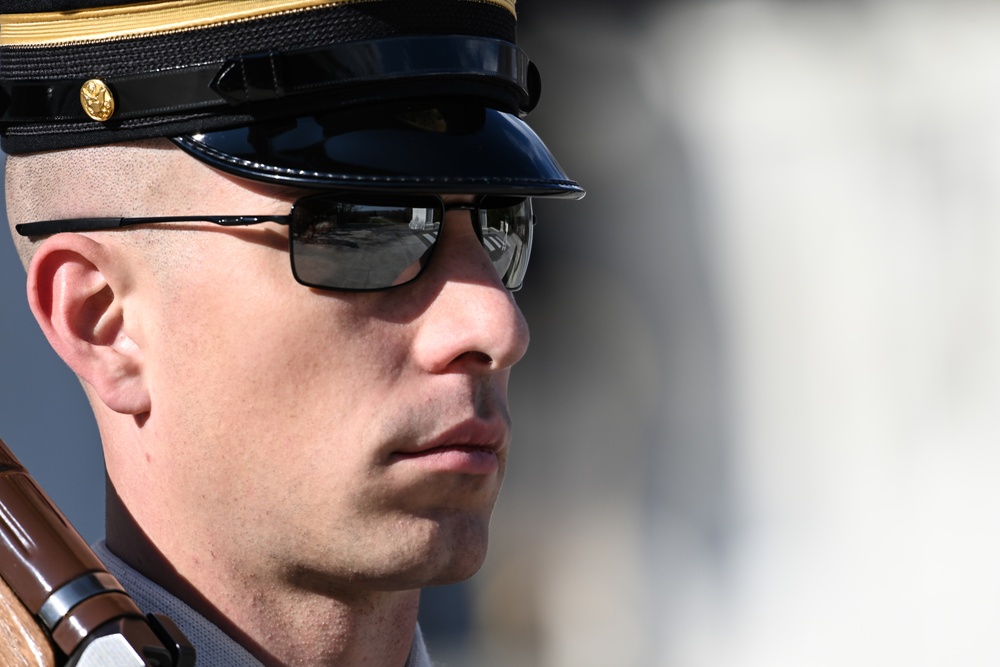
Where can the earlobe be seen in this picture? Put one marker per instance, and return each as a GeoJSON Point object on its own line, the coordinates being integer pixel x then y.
{"type": "Point", "coordinates": [78, 301]}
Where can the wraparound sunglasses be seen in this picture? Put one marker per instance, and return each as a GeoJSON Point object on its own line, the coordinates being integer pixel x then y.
{"type": "Point", "coordinates": [362, 242]}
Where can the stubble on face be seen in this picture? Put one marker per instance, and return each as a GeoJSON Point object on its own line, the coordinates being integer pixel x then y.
{"type": "Point", "coordinates": [282, 406]}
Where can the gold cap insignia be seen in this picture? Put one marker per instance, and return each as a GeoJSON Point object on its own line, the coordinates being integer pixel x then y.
{"type": "Point", "coordinates": [97, 100]}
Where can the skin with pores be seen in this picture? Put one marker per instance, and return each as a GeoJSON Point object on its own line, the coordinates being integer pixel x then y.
{"type": "Point", "coordinates": [304, 460]}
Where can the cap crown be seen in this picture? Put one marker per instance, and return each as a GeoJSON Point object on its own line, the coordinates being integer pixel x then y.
{"type": "Point", "coordinates": [91, 73]}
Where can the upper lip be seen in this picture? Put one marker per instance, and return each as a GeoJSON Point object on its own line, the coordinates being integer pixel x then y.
{"type": "Point", "coordinates": [473, 433]}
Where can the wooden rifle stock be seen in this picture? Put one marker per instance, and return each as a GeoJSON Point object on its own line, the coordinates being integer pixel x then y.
{"type": "Point", "coordinates": [59, 606]}
{"type": "Point", "coordinates": [23, 643]}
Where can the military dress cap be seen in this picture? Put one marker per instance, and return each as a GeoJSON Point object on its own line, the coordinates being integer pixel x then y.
{"type": "Point", "coordinates": [416, 95]}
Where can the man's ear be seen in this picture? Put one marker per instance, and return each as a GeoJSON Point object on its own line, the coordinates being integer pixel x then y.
{"type": "Point", "coordinates": [77, 298]}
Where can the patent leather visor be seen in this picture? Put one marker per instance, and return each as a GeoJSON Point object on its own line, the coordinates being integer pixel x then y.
{"type": "Point", "coordinates": [434, 147]}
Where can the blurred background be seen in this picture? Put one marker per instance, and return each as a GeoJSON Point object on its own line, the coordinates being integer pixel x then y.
{"type": "Point", "coordinates": [758, 422]}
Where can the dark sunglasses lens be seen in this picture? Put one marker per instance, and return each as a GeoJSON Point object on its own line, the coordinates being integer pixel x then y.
{"type": "Point", "coordinates": [347, 244]}
{"type": "Point", "coordinates": [507, 227]}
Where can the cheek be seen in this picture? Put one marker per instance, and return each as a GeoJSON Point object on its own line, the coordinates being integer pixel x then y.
{"type": "Point", "coordinates": [254, 350]}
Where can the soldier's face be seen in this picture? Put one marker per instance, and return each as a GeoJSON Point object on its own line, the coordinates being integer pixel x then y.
{"type": "Point", "coordinates": [336, 437]}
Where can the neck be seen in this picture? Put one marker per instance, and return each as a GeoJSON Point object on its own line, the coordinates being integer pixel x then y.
{"type": "Point", "coordinates": [280, 620]}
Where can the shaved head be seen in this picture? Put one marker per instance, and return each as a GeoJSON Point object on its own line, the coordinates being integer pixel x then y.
{"type": "Point", "coordinates": [99, 180]}
{"type": "Point", "coordinates": [140, 178]}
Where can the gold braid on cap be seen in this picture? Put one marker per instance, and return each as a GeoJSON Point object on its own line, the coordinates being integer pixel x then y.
{"type": "Point", "coordinates": [151, 18]}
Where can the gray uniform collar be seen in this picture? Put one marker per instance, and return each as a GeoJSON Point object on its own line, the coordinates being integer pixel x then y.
{"type": "Point", "coordinates": [214, 647]}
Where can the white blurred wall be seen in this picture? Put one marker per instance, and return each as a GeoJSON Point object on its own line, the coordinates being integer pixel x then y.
{"type": "Point", "coordinates": [850, 157]}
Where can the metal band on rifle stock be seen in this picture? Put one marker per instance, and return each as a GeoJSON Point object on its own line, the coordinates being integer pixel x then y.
{"type": "Point", "coordinates": [59, 604]}
{"type": "Point", "coordinates": [89, 617]}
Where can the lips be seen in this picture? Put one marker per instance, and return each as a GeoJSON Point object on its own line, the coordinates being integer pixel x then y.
{"type": "Point", "coordinates": [471, 448]}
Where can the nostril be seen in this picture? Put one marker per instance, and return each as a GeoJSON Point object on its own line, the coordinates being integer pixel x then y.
{"type": "Point", "coordinates": [477, 357]}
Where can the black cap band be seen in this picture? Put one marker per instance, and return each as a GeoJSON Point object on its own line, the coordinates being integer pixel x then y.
{"type": "Point", "coordinates": [385, 69]}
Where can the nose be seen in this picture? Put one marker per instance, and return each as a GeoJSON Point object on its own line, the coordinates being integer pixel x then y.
{"type": "Point", "coordinates": [471, 322]}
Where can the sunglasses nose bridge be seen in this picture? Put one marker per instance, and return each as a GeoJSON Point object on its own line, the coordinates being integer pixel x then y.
{"type": "Point", "coordinates": [474, 217]}
{"type": "Point", "coordinates": [454, 243]}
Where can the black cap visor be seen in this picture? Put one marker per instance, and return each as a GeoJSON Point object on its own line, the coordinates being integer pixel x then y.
{"type": "Point", "coordinates": [452, 148]}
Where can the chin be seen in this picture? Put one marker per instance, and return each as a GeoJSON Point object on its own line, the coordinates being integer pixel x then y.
{"type": "Point", "coordinates": [407, 552]}
{"type": "Point", "coordinates": [434, 549]}
{"type": "Point", "coordinates": [450, 547]}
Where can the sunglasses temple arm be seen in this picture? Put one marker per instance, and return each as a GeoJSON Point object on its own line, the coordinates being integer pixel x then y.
{"type": "Point", "coordinates": [242, 220]}
{"type": "Point", "coordinates": [47, 227]}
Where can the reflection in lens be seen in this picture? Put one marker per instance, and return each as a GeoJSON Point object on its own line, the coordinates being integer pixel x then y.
{"type": "Point", "coordinates": [341, 242]}
{"type": "Point", "coordinates": [506, 233]}
{"type": "Point", "coordinates": [361, 246]}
